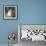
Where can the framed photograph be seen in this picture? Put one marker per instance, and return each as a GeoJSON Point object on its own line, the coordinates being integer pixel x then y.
{"type": "Point", "coordinates": [33, 32]}
{"type": "Point", "coordinates": [10, 11]}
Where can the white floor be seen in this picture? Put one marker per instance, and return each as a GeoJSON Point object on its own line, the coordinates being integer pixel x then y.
{"type": "Point", "coordinates": [9, 45]}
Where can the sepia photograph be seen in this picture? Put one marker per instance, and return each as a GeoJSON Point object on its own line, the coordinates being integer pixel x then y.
{"type": "Point", "coordinates": [10, 12]}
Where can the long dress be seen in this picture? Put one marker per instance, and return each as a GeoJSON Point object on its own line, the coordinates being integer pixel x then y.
{"type": "Point", "coordinates": [9, 13]}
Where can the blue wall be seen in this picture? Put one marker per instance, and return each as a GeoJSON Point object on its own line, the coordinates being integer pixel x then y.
{"type": "Point", "coordinates": [33, 12]}
{"type": "Point", "coordinates": [29, 12]}
{"type": "Point", "coordinates": [7, 26]}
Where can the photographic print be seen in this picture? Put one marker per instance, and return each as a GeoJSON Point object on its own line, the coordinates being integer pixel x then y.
{"type": "Point", "coordinates": [10, 12]}
{"type": "Point", "coordinates": [33, 32]}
